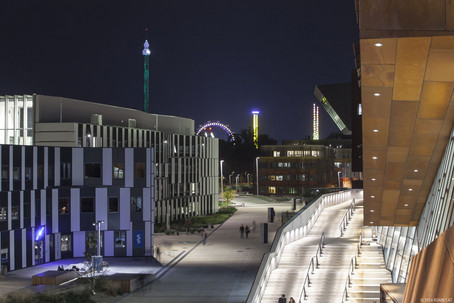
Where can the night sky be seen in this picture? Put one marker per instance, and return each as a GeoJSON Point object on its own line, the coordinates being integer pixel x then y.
{"type": "Point", "coordinates": [211, 60]}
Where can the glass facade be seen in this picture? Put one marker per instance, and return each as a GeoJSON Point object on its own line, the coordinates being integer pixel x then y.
{"type": "Point", "coordinates": [16, 119]}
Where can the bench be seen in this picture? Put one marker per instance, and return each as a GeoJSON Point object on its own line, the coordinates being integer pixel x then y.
{"type": "Point", "coordinates": [53, 277]}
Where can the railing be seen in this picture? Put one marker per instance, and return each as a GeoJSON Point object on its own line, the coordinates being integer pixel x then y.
{"type": "Point", "coordinates": [296, 228]}
{"type": "Point", "coordinates": [351, 270]}
{"type": "Point", "coordinates": [307, 279]}
{"type": "Point", "coordinates": [347, 217]}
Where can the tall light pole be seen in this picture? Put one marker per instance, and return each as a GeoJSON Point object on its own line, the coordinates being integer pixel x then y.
{"type": "Point", "coordinates": [97, 260]}
{"type": "Point", "coordinates": [237, 179]}
{"type": "Point", "coordinates": [257, 172]}
{"type": "Point", "coordinates": [222, 180]}
{"type": "Point", "coordinates": [338, 178]}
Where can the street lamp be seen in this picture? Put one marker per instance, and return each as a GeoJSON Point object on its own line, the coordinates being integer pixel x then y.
{"type": "Point", "coordinates": [236, 182]}
{"type": "Point", "coordinates": [338, 178]}
{"type": "Point", "coordinates": [257, 172]}
{"type": "Point", "coordinates": [97, 260]}
{"type": "Point", "coordinates": [222, 179]}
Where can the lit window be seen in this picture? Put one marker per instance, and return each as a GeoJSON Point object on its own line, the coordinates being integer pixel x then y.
{"type": "Point", "coordinates": [279, 178]}
{"type": "Point", "coordinates": [66, 242]}
{"type": "Point", "coordinates": [118, 171]}
{"type": "Point", "coordinates": [276, 153]}
{"type": "Point", "coordinates": [63, 206]}
{"type": "Point", "coordinates": [3, 214]}
{"type": "Point", "coordinates": [273, 178]}
{"type": "Point", "coordinates": [290, 153]}
{"type": "Point", "coordinates": [120, 239]}
{"type": "Point", "coordinates": [360, 109]}
{"type": "Point", "coordinates": [136, 203]}
{"type": "Point", "coordinates": [271, 189]}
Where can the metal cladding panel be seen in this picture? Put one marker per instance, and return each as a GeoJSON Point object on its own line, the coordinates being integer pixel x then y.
{"type": "Point", "coordinates": [77, 166]}
{"type": "Point", "coordinates": [75, 210]}
{"type": "Point", "coordinates": [79, 243]}
{"type": "Point", "coordinates": [47, 245]}
{"type": "Point", "coordinates": [22, 169]}
{"type": "Point", "coordinates": [57, 166]}
{"type": "Point", "coordinates": [148, 239]}
{"type": "Point", "coordinates": [32, 208]}
{"type": "Point", "coordinates": [109, 243]}
{"type": "Point", "coordinates": [43, 207]}
{"type": "Point", "coordinates": [125, 206]}
{"type": "Point", "coordinates": [10, 226]}
{"type": "Point", "coordinates": [107, 166]}
{"type": "Point", "coordinates": [24, 248]}
{"type": "Point", "coordinates": [55, 210]}
{"type": "Point", "coordinates": [129, 167]}
{"type": "Point", "coordinates": [129, 240]}
{"type": "Point", "coordinates": [21, 207]}
{"type": "Point", "coordinates": [12, 253]}
{"type": "Point", "coordinates": [101, 207]}
{"type": "Point", "coordinates": [147, 204]}
{"type": "Point", "coordinates": [35, 167]}
{"type": "Point", "coordinates": [10, 178]}
{"type": "Point", "coordinates": [57, 246]}
{"type": "Point", "coordinates": [46, 167]}
{"type": "Point", "coordinates": [148, 167]}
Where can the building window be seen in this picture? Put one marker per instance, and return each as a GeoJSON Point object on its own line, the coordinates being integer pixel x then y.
{"type": "Point", "coordinates": [279, 178]}
{"type": "Point", "coordinates": [3, 214]}
{"type": "Point", "coordinates": [273, 178]}
{"type": "Point", "coordinates": [63, 206]}
{"type": "Point", "coordinates": [15, 213]}
{"type": "Point", "coordinates": [276, 153]}
{"type": "Point", "coordinates": [298, 153]}
{"type": "Point", "coordinates": [16, 173]}
{"type": "Point", "coordinates": [290, 153]}
{"type": "Point", "coordinates": [315, 153]}
{"type": "Point", "coordinates": [136, 203]}
{"type": "Point", "coordinates": [139, 170]}
{"type": "Point", "coordinates": [92, 170]}
{"type": "Point", "coordinates": [66, 242]}
{"type": "Point", "coordinates": [118, 171]}
{"type": "Point", "coordinates": [120, 238]}
{"type": "Point", "coordinates": [65, 171]}
{"type": "Point", "coordinates": [27, 209]}
{"type": "Point", "coordinates": [292, 190]}
{"type": "Point", "coordinates": [5, 172]}
{"type": "Point", "coordinates": [86, 205]}
{"type": "Point", "coordinates": [113, 204]}
{"type": "Point", "coordinates": [28, 173]}
{"type": "Point", "coordinates": [271, 190]}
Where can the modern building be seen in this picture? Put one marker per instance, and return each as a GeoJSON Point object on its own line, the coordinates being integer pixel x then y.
{"type": "Point", "coordinates": [67, 164]}
{"type": "Point", "coordinates": [289, 169]}
{"type": "Point", "coordinates": [406, 75]}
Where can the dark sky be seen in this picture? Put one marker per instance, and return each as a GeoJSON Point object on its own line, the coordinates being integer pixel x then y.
{"type": "Point", "coordinates": [211, 59]}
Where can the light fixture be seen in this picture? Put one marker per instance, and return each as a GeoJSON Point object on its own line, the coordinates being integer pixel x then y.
{"type": "Point", "coordinates": [377, 94]}
{"type": "Point", "coordinates": [378, 44]}
{"type": "Point", "coordinates": [410, 189]}
{"type": "Point", "coordinates": [373, 179]}
{"type": "Point", "coordinates": [372, 197]}
{"type": "Point", "coordinates": [415, 170]}
{"type": "Point", "coordinates": [371, 222]}
{"type": "Point", "coordinates": [375, 130]}
{"type": "Point", "coordinates": [372, 210]}
{"type": "Point", "coordinates": [375, 158]}
{"type": "Point", "coordinates": [405, 204]}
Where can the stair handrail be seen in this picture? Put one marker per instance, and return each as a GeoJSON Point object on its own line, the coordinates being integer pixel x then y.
{"type": "Point", "coordinates": [348, 283]}
{"type": "Point", "coordinates": [313, 265]}
{"type": "Point", "coordinates": [347, 217]}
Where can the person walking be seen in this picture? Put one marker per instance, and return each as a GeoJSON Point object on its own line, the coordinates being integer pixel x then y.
{"type": "Point", "coordinates": [282, 299]}
{"type": "Point", "coordinates": [291, 300]}
{"type": "Point", "coordinates": [204, 237]}
{"type": "Point", "coordinates": [247, 231]}
{"type": "Point", "coordinates": [242, 231]}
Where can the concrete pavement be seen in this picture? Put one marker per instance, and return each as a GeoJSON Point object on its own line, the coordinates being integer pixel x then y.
{"type": "Point", "coordinates": [222, 270]}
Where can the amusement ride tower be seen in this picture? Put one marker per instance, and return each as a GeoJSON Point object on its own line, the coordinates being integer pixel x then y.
{"type": "Point", "coordinates": [255, 127]}
{"type": "Point", "coordinates": [146, 75]}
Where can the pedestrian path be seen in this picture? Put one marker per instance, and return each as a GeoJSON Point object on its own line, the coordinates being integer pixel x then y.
{"type": "Point", "coordinates": [326, 281]}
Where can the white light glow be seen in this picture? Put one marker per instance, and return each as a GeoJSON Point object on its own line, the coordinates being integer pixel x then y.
{"type": "Point", "coordinates": [377, 94]}
{"type": "Point", "coordinates": [405, 204]}
{"type": "Point", "coordinates": [373, 179]}
{"type": "Point", "coordinates": [378, 44]}
{"type": "Point", "coordinates": [375, 158]}
{"type": "Point", "coordinates": [410, 189]}
{"type": "Point", "coordinates": [372, 210]}
{"type": "Point", "coordinates": [415, 170]}
{"type": "Point", "coordinates": [372, 197]}
{"type": "Point", "coordinates": [375, 130]}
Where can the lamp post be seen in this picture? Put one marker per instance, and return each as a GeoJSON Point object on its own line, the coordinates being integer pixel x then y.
{"type": "Point", "coordinates": [222, 180]}
{"type": "Point", "coordinates": [248, 179]}
{"type": "Point", "coordinates": [236, 182]}
{"type": "Point", "coordinates": [257, 172]}
{"type": "Point", "coordinates": [338, 178]}
{"type": "Point", "coordinates": [97, 260]}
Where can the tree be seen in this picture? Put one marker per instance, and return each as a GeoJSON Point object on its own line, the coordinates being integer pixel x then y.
{"type": "Point", "coordinates": [228, 195]}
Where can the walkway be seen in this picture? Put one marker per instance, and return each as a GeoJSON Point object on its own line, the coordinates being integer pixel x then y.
{"type": "Point", "coordinates": [329, 279]}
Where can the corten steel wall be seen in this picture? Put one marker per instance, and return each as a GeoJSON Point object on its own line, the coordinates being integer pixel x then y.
{"type": "Point", "coordinates": [430, 281]}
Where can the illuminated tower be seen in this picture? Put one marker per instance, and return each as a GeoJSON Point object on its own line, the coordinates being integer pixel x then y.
{"type": "Point", "coordinates": [255, 127]}
{"type": "Point", "coordinates": [146, 76]}
{"type": "Point", "coordinates": [316, 133]}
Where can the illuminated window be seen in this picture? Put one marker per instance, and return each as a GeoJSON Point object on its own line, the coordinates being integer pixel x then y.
{"type": "Point", "coordinates": [120, 238]}
{"type": "Point", "coordinates": [315, 153]}
{"type": "Point", "coordinates": [279, 178]}
{"type": "Point", "coordinates": [276, 153]}
{"type": "Point", "coordinates": [63, 206]}
{"type": "Point", "coordinates": [66, 242]}
{"type": "Point", "coordinates": [298, 153]}
{"type": "Point", "coordinates": [3, 214]}
{"type": "Point", "coordinates": [271, 189]}
{"type": "Point", "coordinates": [292, 190]}
{"type": "Point", "coordinates": [290, 153]}
{"type": "Point", "coordinates": [118, 171]}
{"type": "Point", "coordinates": [273, 178]}
{"type": "Point", "coordinates": [15, 213]}
{"type": "Point", "coordinates": [136, 203]}
{"type": "Point", "coordinates": [65, 171]}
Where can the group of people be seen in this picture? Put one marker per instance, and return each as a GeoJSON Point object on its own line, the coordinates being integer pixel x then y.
{"type": "Point", "coordinates": [244, 230]}
{"type": "Point", "coordinates": [283, 299]}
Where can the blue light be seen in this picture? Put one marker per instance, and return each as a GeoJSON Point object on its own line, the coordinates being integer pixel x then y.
{"type": "Point", "coordinates": [40, 233]}
{"type": "Point", "coordinates": [255, 112]}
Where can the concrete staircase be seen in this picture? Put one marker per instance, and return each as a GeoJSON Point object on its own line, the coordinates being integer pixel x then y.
{"type": "Point", "coordinates": [370, 273]}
